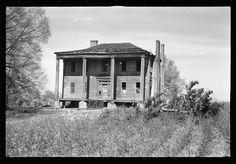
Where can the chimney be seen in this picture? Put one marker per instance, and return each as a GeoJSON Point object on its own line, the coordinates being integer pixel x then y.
{"type": "Point", "coordinates": [93, 43]}
{"type": "Point", "coordinates": [162, 53]}
{"type": "Point", "coordinates": [156, 71]}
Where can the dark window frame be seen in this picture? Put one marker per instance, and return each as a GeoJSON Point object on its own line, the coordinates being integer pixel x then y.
{"type": "Point", "coordinates": [72, 66]}
{"type": "Point", "coordinates": [123, 65]}
{"type": "Point", "coordinates": [138, 65]}
{"type": "Point", "coordinates": [123, 88]}
{"type": "Point", "coordinates": [105, 65]}
{"type": "Point", "coordinates": [137, 90]}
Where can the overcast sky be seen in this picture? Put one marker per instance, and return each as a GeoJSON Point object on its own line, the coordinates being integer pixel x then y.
{"type": "Point", "coordinates": [196, 38]}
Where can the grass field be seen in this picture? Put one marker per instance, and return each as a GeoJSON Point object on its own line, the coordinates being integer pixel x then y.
{"type": "Point", "coordinates": [115, 133]}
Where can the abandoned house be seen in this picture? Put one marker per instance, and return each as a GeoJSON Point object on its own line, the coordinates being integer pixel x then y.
{"type": "Point", "coordinates": [111, 72]}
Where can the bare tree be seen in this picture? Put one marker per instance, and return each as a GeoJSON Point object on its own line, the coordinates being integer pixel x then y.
{"type": "Point", "coordinates": [26, 29]}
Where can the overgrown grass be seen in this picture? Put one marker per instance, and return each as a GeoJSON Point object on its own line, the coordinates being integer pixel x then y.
{"type": "Point", "coordinates": [115, 133]}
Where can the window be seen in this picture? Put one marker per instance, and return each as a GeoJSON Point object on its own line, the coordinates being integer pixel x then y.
{"type": "Point", "coordinates": [123, 87]}
{"type": "Point", "coordinates": [105, 66]}
{"type": "Point", "coordinates": [137, 87]}
{"type": "Point", "coordinates": [72, 87]}
{"type": "Point", "coordinates": [72, 66]}
{"type": "Point", "coordinates": [138, 65]}
{"type": "Point", "coordinates": [123, 65]}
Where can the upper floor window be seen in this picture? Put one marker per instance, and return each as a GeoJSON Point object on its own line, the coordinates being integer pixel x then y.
{"type": "Point", "coordinates": [104, 66]}
{"type": "Point", "coordinates": [123, 65]}
{"type": "Point", "coordinates": [72, 87]}
{"type": "Point", "coordinates": [138, 65]}
{"type": "Point", "coordinates": [72, 66]}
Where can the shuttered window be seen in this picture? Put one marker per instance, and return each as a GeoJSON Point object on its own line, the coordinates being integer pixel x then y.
{"type": "Point", "coordinates": [72, 87]}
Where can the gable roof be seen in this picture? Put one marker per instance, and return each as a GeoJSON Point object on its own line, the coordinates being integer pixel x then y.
{"type": "Point", "coordinates": [107, 48]}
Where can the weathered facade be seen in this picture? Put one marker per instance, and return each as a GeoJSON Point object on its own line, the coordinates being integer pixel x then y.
{"type": "Point", "coordinates": [113, 72]}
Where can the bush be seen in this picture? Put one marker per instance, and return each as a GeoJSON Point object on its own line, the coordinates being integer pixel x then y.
{"type": "Point", "coordinates": [95, 104]}
{"type": "Point", "coordinates": [196, 101]}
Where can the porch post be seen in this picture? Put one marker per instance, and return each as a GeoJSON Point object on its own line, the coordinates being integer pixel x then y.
{"type": "Point", "coordinates": [142, 80]}
{"type": "Point", "coordinates": [57, 105]}
{"type": "Point", "coordinates": [112, 77]}
{"type": "Point", "coordinates": [148, 79]}
{"type": "Point", "coordinates": [84, 77]}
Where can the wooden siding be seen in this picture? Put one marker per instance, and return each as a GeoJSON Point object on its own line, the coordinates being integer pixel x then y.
{"type": "Point", "coordinates": [130, 88]}
{"type": "Point", "coordinates": [78, 80]}
{"type": "Point", "coordinates": [94, 70]}
{"type": "Point", "coordinates": [92, 87]}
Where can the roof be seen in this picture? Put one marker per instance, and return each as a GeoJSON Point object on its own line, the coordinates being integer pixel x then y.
{"type": "Point", "coordinates": [107, 48]}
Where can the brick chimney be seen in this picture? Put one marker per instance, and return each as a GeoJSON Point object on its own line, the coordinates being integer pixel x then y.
{"type": "Point", "coordinates": [156, 71]}
{"type": "Point", "coordinates": [93, 43]}
{"type": "Point", "coordinates": [162, 67]}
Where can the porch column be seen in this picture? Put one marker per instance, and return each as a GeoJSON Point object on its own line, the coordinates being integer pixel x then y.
{"type": "Point", "coordinates": [142, 80]}
{"type": "Point", "coordinates": [112, 77]}
{"type": "Point", "coordinates": [56, 105]}
{"type": "Point", "coordinates": [148, 79]}
{"type": "Point", "coordinates": [84, 77]}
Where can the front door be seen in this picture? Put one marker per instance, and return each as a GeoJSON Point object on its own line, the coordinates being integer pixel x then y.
{"type": "Point", "coordinates": [103, 89]}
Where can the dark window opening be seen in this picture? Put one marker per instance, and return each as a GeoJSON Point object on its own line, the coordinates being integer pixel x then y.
{"type": "Point", "coordinates": [105, 66]}
{"type": "Point", "coordinates": [72, 66]}
{"type": "Point", "coordinates": [137, 87]}
{"type": "Point", "coordinates": [72, 87]}
{"type": "Point", "coordinates": [123, 87]}
{"type": "Point", "coordinates": [138, 65]}
{"type": "Point", "coordinates": [123, 65]}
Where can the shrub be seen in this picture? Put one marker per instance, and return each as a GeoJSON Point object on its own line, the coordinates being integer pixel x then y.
{"type": "Point", "coordinates": [196, 101]}
{"type": "Point", "coordinates": [95, 104]}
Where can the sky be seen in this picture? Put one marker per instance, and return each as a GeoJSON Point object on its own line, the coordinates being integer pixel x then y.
{"type": "Point", "coordinates": [197, 39]}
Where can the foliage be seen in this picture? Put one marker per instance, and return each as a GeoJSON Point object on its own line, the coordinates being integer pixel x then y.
{"type": "Point", "coordinates": [95, 104]}
{"type": "Point", "coordinates": [196, 101]}
{"type": "Point", "coordinates": [116, 133]}
{"type": "Point", "coordinates": [26, 29]}
{"type": "Point", "coordinates": [48, 97]}
{"type": "Point", "coordinates": [173, 84]}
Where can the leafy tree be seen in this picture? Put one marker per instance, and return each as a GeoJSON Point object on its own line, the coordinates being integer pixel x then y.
{"type": "Point", "coordinates": [174, 85]}
{"type": "Point", "coordinates": [26, 29]}
{"type": "Point", "coordinates": [197, 101]}
{"type": "Point", "coordinates": [48, 97]}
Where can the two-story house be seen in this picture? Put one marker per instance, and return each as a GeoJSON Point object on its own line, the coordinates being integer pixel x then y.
{"type": "Point", "coordinates": [112, 72]}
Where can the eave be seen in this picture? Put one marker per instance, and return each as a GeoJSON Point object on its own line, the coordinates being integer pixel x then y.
{"type": "Point", "coordinates": [101, 55]}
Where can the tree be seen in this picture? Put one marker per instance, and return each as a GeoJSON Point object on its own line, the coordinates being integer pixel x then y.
{"type": "Point", "coordinates": [48, 98]}
{"type": "Point", "coordinates": [172, 81]}
{"type": "Point", "coordinates": [26, 29]}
